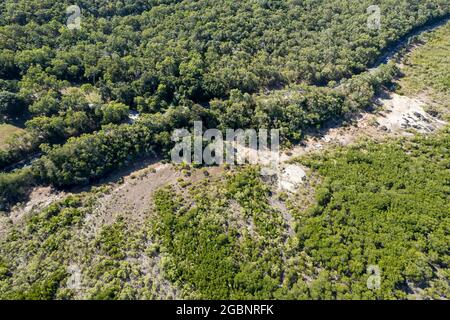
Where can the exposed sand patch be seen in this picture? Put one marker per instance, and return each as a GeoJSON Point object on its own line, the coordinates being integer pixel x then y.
{"type": "Point", "coordinates": [399, 116]}
{"type": "Point", "coordinates": [292, 177]}
{"type": "Point", "coordinates": [39, 198]}
{"type": "Point", "coordinates": [401, 113]}
{"type": "Point", "coordinates": [132, 199]}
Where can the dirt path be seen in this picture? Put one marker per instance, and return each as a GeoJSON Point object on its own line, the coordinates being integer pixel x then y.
{"type": "Point", "coordinates": [132, 198]}
{"type": "Point", "coordinates": [396, 116]}
{"type": "Point", "coordinates": [389, 55]}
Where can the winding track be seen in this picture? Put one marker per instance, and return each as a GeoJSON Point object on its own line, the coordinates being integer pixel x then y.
{"type": "Point", "coordinates": [403, 42]}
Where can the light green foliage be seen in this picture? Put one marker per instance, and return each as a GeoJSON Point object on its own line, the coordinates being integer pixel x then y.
{"type": "Point", "coordinates": [385, 205]}
{"type": "Point", "coordinates": [40, 254]}
{"type": "Point", "coordinates": [43, 245]}
{"type": "Point", "coordinates": [426, 69]}
{"type": "Point", "coordinates": [290, 65]}
{"type": "Point", "coordinates": [206, 253]}
{"type": "Point", "coordinates": [380, 204]}
{"type": "Point", "coordinates": [7, 133]}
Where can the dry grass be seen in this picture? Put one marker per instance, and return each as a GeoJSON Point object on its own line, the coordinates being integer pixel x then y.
{"type": "Point", "coordinates": [427, 69]}
{"type": "Point", "coordinates": [7, 131]}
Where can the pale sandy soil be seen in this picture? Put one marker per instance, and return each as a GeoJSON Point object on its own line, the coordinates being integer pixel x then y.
{"type": "Point", "coordinates": [40, 198]}
{"type": "Point", "coordinates": [401, 113]}
{"type": "Point", "coordinates": [397, 116]}
{"type": "Point", "coordinates": [132, 198]}
{"type": "Point", "coordinates": [130, 192]}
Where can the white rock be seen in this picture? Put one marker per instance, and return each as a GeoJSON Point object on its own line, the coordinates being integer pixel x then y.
{"type": "Point", "coordinates": [292, 176]}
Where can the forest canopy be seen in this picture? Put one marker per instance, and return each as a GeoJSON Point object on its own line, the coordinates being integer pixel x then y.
{"type": "Point", "coordinates": [276, 64]}
{"type": "Point", "coordinates": [79, 103]}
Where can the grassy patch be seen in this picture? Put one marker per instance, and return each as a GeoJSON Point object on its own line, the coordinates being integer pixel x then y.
{"type": "Point", "coordinates": [6, 132]}
{"type": "Point", "coordinates": [427, 68]}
